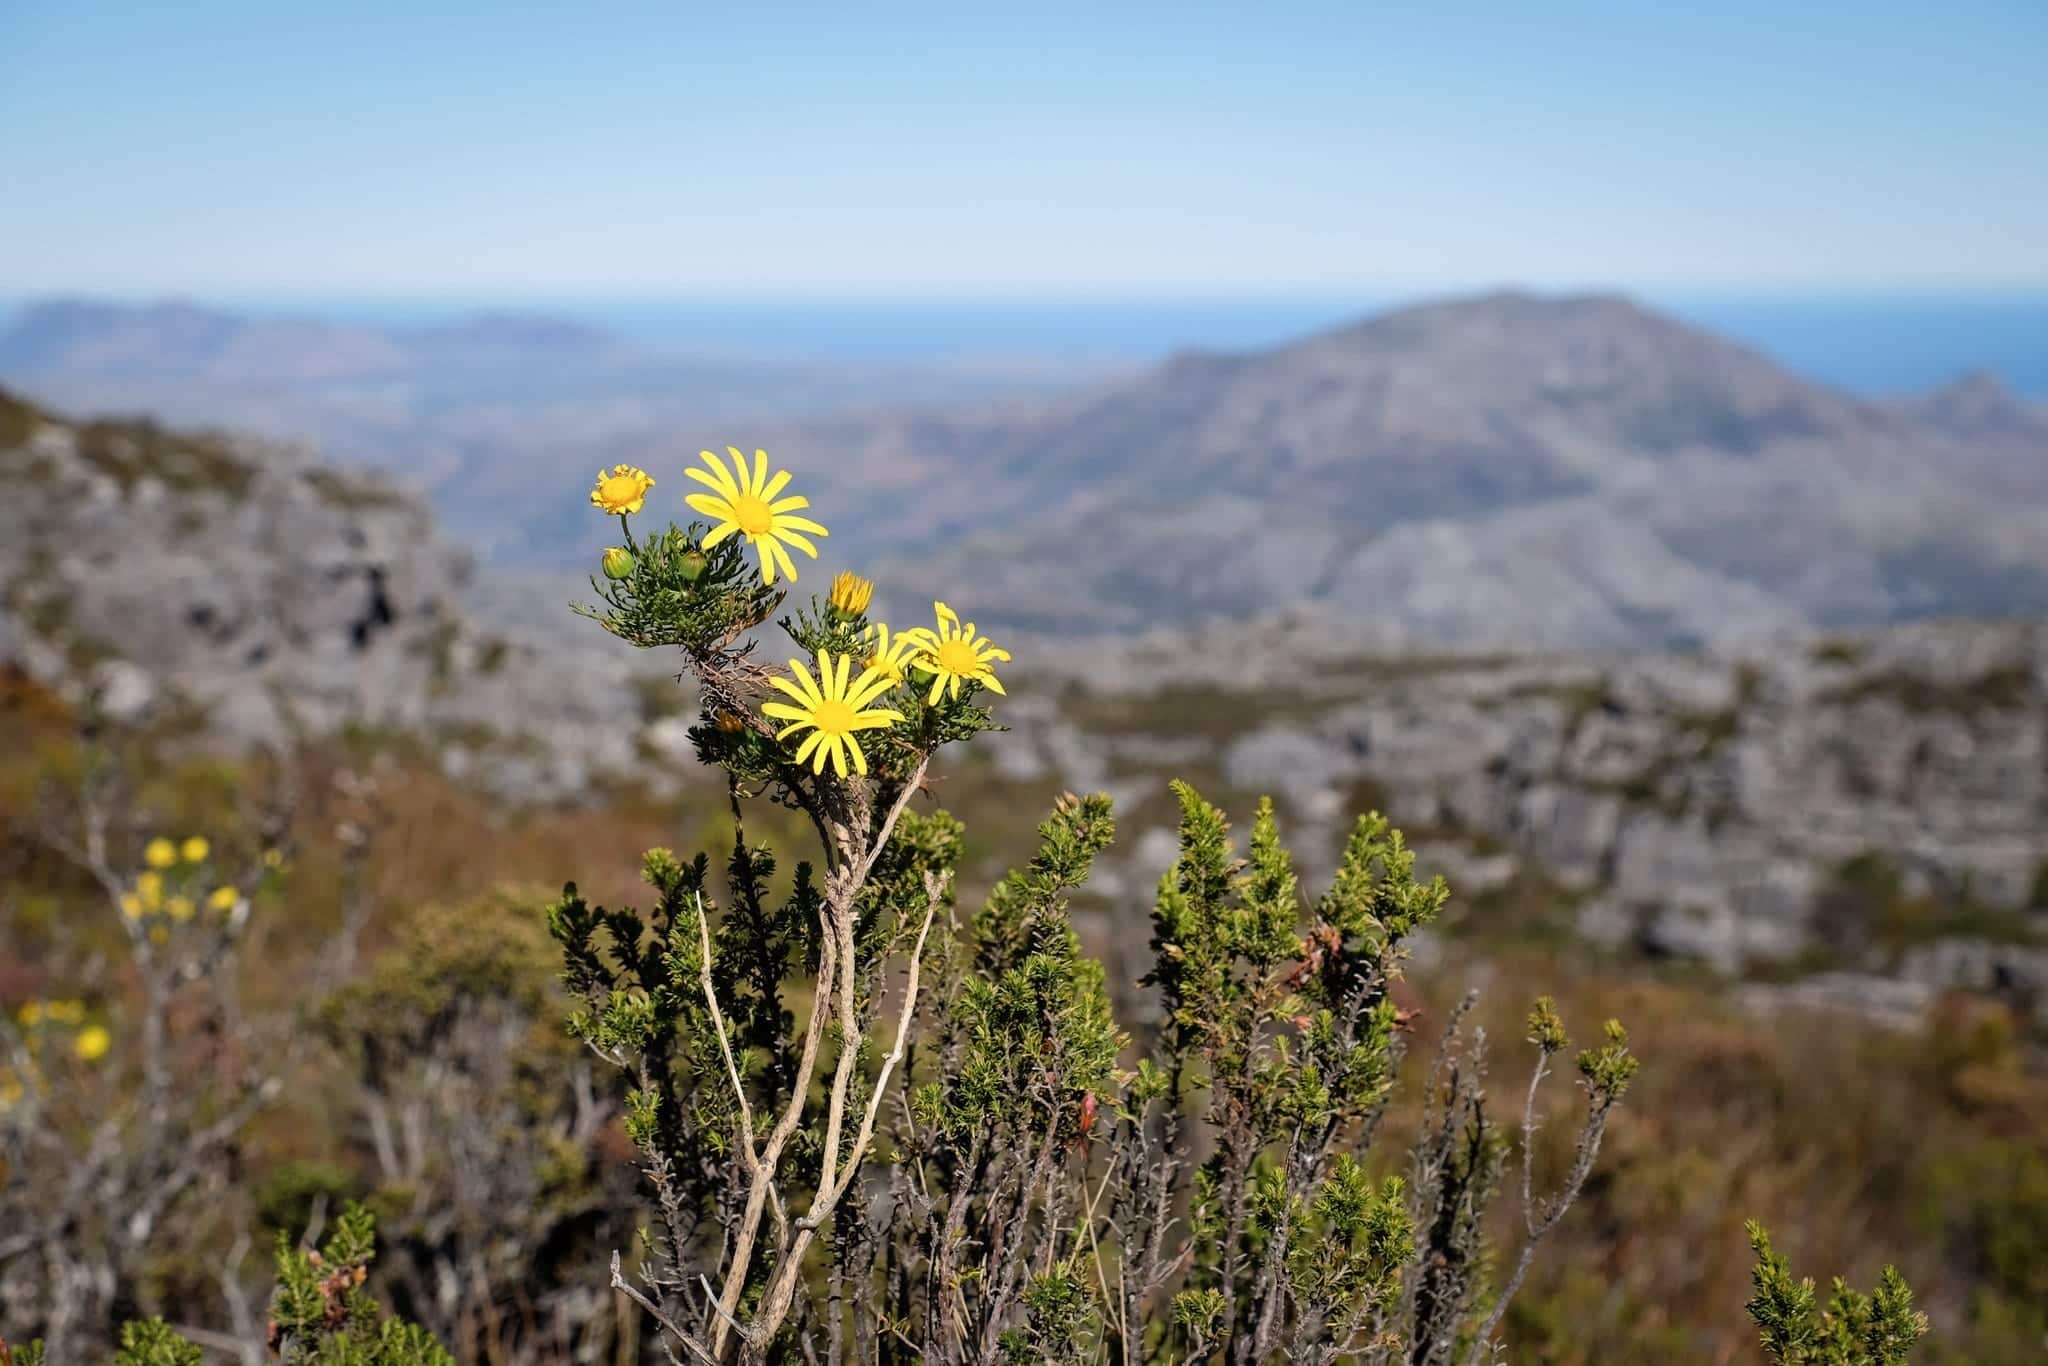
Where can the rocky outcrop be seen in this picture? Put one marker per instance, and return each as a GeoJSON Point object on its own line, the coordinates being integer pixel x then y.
{"type": "Point", "coordinates": [150, 571]}
{"type": "Point", "coordinates": [1705, 805]}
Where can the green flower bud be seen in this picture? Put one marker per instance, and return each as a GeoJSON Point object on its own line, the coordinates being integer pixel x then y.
{"type": "Point", "coordinates": [618, 563]}
{"type": "Point", "coordinates": [693, 563]}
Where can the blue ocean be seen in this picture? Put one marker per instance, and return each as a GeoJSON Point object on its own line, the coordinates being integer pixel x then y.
{"type": "Point", "coordinates": [1867, 343]}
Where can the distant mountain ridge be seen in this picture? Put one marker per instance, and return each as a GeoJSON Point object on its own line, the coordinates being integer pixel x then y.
{"type": "Point", "coordinates": [1507, 469]}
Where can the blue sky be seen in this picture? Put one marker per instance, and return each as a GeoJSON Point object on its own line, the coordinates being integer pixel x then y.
{"type": "Point", "coordinates": [261, 146]}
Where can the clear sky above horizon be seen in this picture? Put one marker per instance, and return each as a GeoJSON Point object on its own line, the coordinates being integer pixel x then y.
{"type": "Point", "coordinates": [245, 145]}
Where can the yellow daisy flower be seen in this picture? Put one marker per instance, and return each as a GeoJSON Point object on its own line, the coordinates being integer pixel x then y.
{"type": "Point", "coordinates": [954, 654]}
{"type": "Point", "coordinates": [890, 655]}
{"type": "Point", "coordinates": [622, 491]}
{"type": "Point", "coordinates": [195, 850]}
{"type": "Point", "coordinates": [748, 505]}
{"type": "Point", "coordinates": [179, 908]}
{"type": "Point", "coordinates": [160, 853]}
{"type": "Point", "coordinates": [149, 890]}
{"type": "Point", "coordinates": [92, 1043]}
{"type": "Point", "coordinates": [832, 710]}
{"type": "Point", "coordinates": [851, 593]}
{"type": "Point", "coordinates": [223, 899]}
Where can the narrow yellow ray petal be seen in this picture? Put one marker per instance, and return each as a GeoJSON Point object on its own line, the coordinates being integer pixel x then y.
{"type": "Point", "coordinates": [810, 745]}
{"type": "Point", "coordinates": [803, 677]}
{"type": "Point", "coordinates": [760, 471]}
{"type": "Point", "coordinates": [780, 534]}
{"type": "Point", "coordinates": [803, 524]}
{"type": "Point", "coordinates": [773, 487]}
{"type": "Point", "coordinates": [717, 463]}
{"type": "Point", "coordinates": [790, 729]}
{"type": "Point", "coordinates": [739, 464]}
{"type": "Point", "coordinates": [723, 488]}
{"type": "Point", "coordinates": [988, 680]}
{"type": "Point", "coordinates": [782, 711]}
{"type": "Point", "coordinates": [788, 565]}
{"type": "Point", "coordinates": [711, 505]}
{"type": "Point", "coordinates": [860, 760]}
{"type": "Point", "coordinates": [719, 533]}
{"type": "Point", "coordinates": [794, 503]}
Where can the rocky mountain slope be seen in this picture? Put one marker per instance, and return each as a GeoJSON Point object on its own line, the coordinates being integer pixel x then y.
{"type": "Point", "coordinates": [1508, 469]}
{"type": "Point", "coordinates": [245, 585]}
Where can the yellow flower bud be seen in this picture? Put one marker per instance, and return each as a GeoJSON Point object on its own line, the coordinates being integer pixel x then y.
{"type": "Point", "coordinates": [618, 562]}
{"type": "Point", "coordinates": [160, 853]}
{"type": "Point", "coordinates": [851, 593]}
{"type": "Point", "coordinates": [732, 723]}
{"type": "Point", "coordinates": [693, 562]}
{"type": "Point", "coordinates": [195, 849]}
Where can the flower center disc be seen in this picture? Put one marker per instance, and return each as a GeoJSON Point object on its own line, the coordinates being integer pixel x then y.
{"type": "Point", "coordinates": [753, 515]}
{"type": "Point", "coordinates": [957, 657]}
{"type": "Point", "coordinates": [833, 717]}
{"type": "Point", "coordinates": [619, 489]}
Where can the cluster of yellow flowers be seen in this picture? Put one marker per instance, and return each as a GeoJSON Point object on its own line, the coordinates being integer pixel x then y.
{"type": "Point", "coordinates": [89, 1044]}
{"type": "Point", "coordinates": [170, 886]}
{"type": "Point", "coordinates": [832, 703]}
{"type": "Point", "coordinates": [836, 706]}
{"type": "Point", "coordinates": [742, 501]}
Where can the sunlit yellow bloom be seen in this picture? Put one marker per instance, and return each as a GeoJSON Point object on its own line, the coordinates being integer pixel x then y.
{"type": "Point", "coordinates": [195, 849]}
{"type": "Point", "coordinates": [953, 654]}
{"type": "Point", "coordinates": [891, 655]}
{"type": "Point", "coordinates": [851, 593]}
{"type": "Point", "coordinates": [622, 491]}
{"type": "Point", "coordinates": [179, 908]}
{"type": "Point", "coordinates": [160, 853]}
{"type": "Point", "coordinates": [149, 890]}
{"type": "Point", "coordinates": [131, 906]}
{"type": "Point", "coordinates": [92, 1043]}
{"type": "Point", "coordinates": [747, 505]}
{"type": "Point", "coordinates": [223, 899]}
{"type": "Point", "coordinates": [832, 710]}
{"type": "Point", "coordinates": [30, 1014]}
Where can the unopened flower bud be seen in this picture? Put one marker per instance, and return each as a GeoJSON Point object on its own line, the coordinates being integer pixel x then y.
{"type": "Point", "coordinates": [851, 593]}
{"type": "Point", "coordinates": [693, 564]}
{"type": "Point", "coordinates": [732, 723]}
{"type": "Point", "coordinates": [618, 563]}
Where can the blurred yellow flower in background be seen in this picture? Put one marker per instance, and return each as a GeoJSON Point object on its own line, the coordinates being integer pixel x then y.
{"type": "Point", "coordinates": [832, 710]}
{"type": "Point", "coordinates": [747, 506]}
{"type": "Point", "coordinates": [223, 898]}
{"type": "Point", "coordinates": [131, 906]}
{"type": "Point", "coordinates": [179, 908]}
{"type": "Point", "coordinates": [195, 850]}
{"type": "Point", "coordinates": [30, 1014]}
{"type": "Point", "coordinates": [160, 853]}
{"type": "Point", "coordinates": [149, 890]}
{"type": "Point", "coordinates": [622, 491]}
{"type": "Point", "coordinates": [92, 1043]}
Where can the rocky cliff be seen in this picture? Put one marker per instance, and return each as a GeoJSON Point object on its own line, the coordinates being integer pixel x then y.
{"type": "Point", "coordinates": [153, 571]}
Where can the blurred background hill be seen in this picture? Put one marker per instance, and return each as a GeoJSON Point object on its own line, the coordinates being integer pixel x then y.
{"type": "Point", "coordinates": [1614, 445]}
